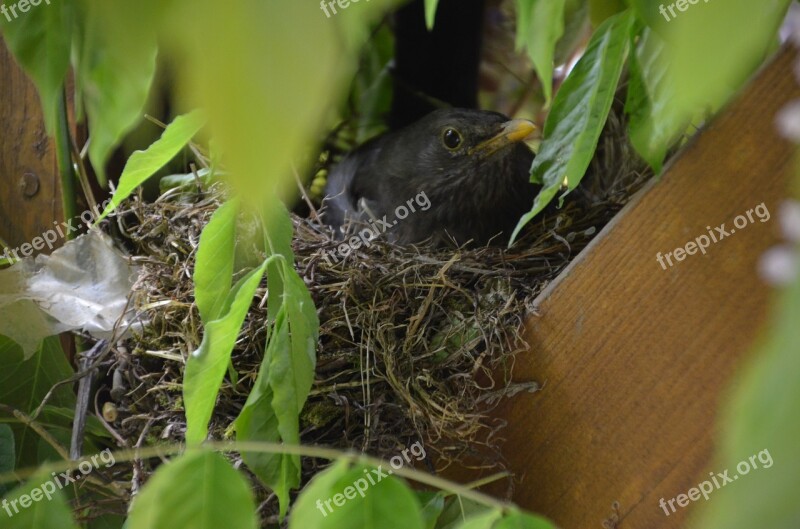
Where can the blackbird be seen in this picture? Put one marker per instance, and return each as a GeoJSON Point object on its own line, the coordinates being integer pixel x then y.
{"type": "Point", "coordinates": [470, 166]}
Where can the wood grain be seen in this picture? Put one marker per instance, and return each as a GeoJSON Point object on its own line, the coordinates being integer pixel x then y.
{"type": "Point", "coordinates": [636, 359]}
{"type": "Point", "coordinates": [29, 187]}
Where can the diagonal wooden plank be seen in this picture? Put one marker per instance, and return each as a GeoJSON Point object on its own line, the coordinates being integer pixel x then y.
{"type": "Point", "coordinates": [29, 188]}
{"type": "Point", "coordinates": [637, 358]}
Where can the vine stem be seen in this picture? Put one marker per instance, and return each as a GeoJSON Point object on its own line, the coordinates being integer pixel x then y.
{"type": "Point", "coordinates": [60, 450]}
{"type": "Point", "coordinates": [464, 491]}
{"type": "Point", "coordinates": [64, 160]}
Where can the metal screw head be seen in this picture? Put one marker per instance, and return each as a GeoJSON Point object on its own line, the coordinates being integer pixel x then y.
{"type": "Point", "coordinates": [29, 183]}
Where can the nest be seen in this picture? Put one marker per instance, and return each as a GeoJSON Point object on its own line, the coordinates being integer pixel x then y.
{"type": "Point", "coordinates": [416, 344]}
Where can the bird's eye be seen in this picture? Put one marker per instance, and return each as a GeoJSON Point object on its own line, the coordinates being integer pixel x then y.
{"type": "Point", "coordinates": [451, 139]}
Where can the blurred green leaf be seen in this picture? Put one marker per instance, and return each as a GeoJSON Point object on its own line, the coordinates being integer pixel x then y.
{"type": "Point", "coordinates": [485, 520]}
{"type": "Point", "coordinates": [652, 129]}
{"type": "Point", "coordinates": [387, 504]}
{"type": "Point", "coordinates": [430, 13]}
{"type": "Point", "coordinates": [579, 113]}
{"type": "Point", "coordinates": [711, 49]}
{"type": "Point", "coordinates": [457, 510]}
{"type": "Point", "coordinates": [202, 177]}
{"type": "Point", "coordinates": [40, 41]}
{"type": "Point", "coordinates": [305, 512]}
{"type": "Point", "coordinates": [213, 270]}
{"type": "Point", "coordinates": [266, 107]}
{"type": "Point", "coordinates": [277, 226]}
{"type": "Point", "coordinates": [7, 454]}
{"type": "Point", "coordinates": [198, 490]}
{"type": "Point", "coordinates": [24, 383]}
{"type": "Point", "coordinates": [39, 504]}
{"type": "Point", "coordinates": [144, 164]}
{"type": "Point", "coordinates": [107, 521]}
{"type": "Point", "coordinates": [63, 417]}
{"type": "Point", "coordinates": [373, 86]}
{"type": "Point", "coordinates": [600, 10]}
{"type": "Point", "coordinates": [284, 380]}
{"type": "Point", "coordinates": [576, 28]}
{"type": "Point", "coordinates": [116, 62]}
{"type": "Point", "coordinates": [521, 520]}
{"type": "Point", "coordinates": [763, 415]}
{"type": "Point", "coordinates": [540, 23]}
{"type": "Point", "coordinates": [432, 507]}
{"type": "Point", "coordinates": [205, 367]}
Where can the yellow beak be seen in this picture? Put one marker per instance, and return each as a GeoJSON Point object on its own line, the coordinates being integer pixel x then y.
{"type": "Point", "coordinates": [513, 131]}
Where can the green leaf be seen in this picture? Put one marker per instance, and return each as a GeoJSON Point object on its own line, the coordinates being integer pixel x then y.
{"type": "Point", "coordinates": [24, 383]}
{"type": "Point", "coordinates": [144, 164]}
{"type": "Point", "coordinates": [38, 504]}
{"type": "Point", "coordinates": [116, 63]}
{"type": "Point", "coordinates": [762, 421]}
{"type": "Point", "coordinates": [638, 105]}
{"type": "Point", "coordinates": [273, 407]}
{"type": "Point", "coordinates": [712, 48]}
{"type": "Point", "coordinates": [63, 417]}
{"type": "Point", "coordinates": [277, 226]}
{"type": "Point", "coordinates": [540, 24]}
{"type": "Point", "coordinates": [600, 10]}
{"type": "Point", "coordinates": [576, 24]}
{"type": "Point", "coordinates": [40, 41]}
{"type": "Point", "coordinates": [7, 454]}
{"type": "Point", "coordinates": [305, 512]}
{"type": "Point", "coordinates": [198, 490]}
{"type": "Point", "coordinates": [265, 107]}
{"type": "Point", "coordinates": [432, 507]}
{"type": "Point", "coordinates": [213, 269]}
{"type": "Point", "coordinates": [484, 520]}
{"type": "Point", "coordinates": [373, 86]}
{"type": "Point", "coordinates": [521, 520]}
{"type": "Point", "coordinates": [346, 498]}
{"type": "Point", "coordinates": [652, 128]}
{"type": "Point", "coordinates": [258, 420]}
{"type": "Point", "coordinates": [430, 13]}
{"type": "Point", "coordinates": [107, 521]}
{"type": "Point", "coordinates": [579, 113]}
{"type": "Point", "coordinates": [205, 367]}
{"type": "Point", "coordinates": [457, 510]}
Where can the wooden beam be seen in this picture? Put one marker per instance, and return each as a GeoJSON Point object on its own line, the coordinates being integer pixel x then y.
{"type": "Point", "coordinates": [636, 359]}
{"type": "Point", "coordinates": [29, 185]}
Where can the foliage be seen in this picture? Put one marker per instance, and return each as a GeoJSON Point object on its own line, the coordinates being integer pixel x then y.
{"type": "Point", "coordinates": [763, 413]}
{"type": "Point", "coordinates": [144, 164]}
{"type": "Point", "coordinates": [671, 83]}
{"type": "Point", "coordinates": [263, 108]}
{"type": "Point", "coordinates": [225, 500]}
{"type": "Point", "coordinates": [540, 24]}
{"type": "Point", "coordinates": [579, 113]}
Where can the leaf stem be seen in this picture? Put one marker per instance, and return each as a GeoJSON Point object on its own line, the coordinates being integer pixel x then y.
{"type": "Point", "coordinates": [64, 159]}
{"type": "Point", "coordinates": [465, 491]}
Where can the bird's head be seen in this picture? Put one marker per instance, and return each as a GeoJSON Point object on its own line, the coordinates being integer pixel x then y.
{"type": "Point", "coordinates": [453, 148]}
{"type": "Point", "coordinates": [471, 165]}
{"type": "Point", "coordinates": [469, 162]}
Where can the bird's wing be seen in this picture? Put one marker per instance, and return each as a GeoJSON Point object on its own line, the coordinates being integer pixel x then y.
{"type": "Point", "coordinates": [352, 187]}
{"type": "Point", "coordinates": [340, 203]}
